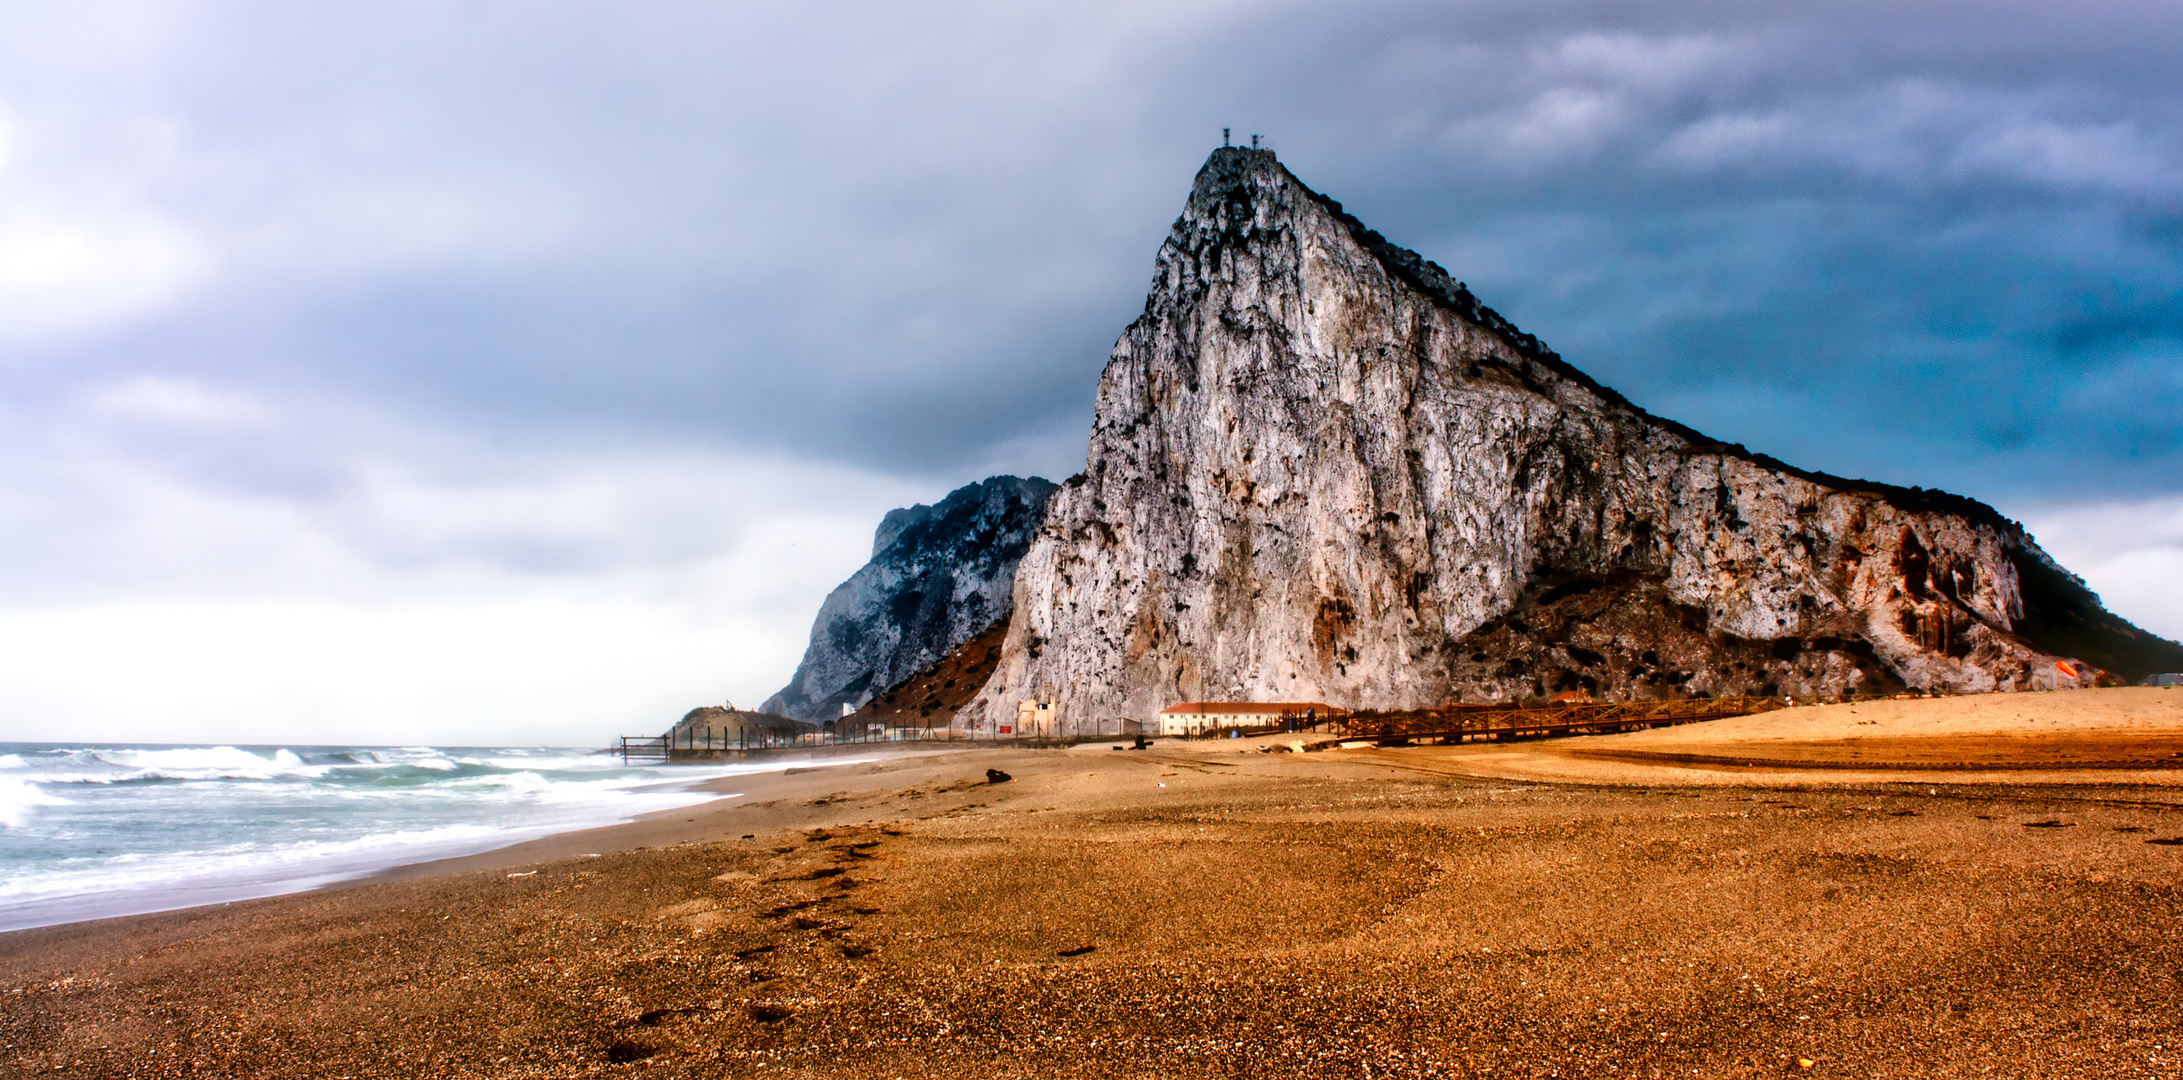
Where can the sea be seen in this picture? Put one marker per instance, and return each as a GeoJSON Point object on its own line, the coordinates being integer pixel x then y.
{"type": "Point", "coordinates": [90, 832]}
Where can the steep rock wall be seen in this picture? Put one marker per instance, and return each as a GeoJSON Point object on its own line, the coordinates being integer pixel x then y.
{"type": "Point", "coordinates": [1321, 470]}
{"type": "Point", "coordinates": [939, 576]}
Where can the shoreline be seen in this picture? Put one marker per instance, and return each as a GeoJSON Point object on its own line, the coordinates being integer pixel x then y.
{"type": "Point", "coordinates": [256, 883]}
{"type": "Point", "coordinates": [652, 829]}
{"type": "Point", "coordinates": [1639, 758]}
{"type": "Point", "coordinates": [1203, 909]}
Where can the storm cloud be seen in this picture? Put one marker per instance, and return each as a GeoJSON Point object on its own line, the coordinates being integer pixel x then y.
{"type": "Point", "coordinates": [604, 333]}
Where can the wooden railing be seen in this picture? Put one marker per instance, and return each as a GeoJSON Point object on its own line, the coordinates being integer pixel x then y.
{"type": "Point", "coordinates": [1456, 723]}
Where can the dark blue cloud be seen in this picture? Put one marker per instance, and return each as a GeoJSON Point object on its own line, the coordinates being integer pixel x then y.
{"type": "Point", "coordinates": [1928, 243]}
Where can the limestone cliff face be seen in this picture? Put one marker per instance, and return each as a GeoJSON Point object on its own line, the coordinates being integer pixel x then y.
{"type": "Point", "coordinates": [939, 576]}
{"type": "Point", "coordinates": [1321, 470]}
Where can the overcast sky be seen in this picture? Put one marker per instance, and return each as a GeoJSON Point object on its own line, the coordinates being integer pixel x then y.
{"type": "Point", "coordinates": [528, 372]}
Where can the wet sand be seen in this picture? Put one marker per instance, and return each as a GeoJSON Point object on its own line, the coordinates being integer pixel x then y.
{"type": "Point", "coordinates": [1202, 909]}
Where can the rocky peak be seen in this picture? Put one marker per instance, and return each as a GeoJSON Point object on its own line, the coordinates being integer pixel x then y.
{"type": "Point", "coordinates": [939, 575]}
{"type": "Point", "coordinates": [1320, 469]}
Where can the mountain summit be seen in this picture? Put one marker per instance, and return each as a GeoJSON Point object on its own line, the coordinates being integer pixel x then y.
{"type": "Point", "coordinates": [1321, 470]}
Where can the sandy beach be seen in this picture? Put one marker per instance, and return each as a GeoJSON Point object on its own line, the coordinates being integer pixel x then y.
{"type": "Point", "coordinates": [1973, 886]}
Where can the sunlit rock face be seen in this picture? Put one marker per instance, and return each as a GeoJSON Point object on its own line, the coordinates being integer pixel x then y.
{"type": "Point", "coordinates": [939, 575]}
{"type": "Point", "coordinates": [1320, 470]}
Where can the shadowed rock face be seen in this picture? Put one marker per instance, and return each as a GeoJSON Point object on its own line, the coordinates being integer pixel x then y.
{"type": "Point", "coordinates": [1321, 470]}
{"type": "Point", "coordinates": [939, 576]}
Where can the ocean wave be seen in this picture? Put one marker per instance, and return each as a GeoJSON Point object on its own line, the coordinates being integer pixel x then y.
{"type": "Point", "coordinates": [18, 798]}
{"type": "Point", "coordinates": [147, 827]}
{"type": "Point", "coordinates": [557, 763]}
{"type": "Point", "coordinates": [420, 771]}
{"type": "Point", "coordinates": [11, 761]}
{"type": "Point", "coordinates": [525, 782]}
{"type": "Point", "coordinates": [407, 757]}
{"type": "Point", "coordinates": [209, 763]}
{"type": "Point", "coordinates": [261, 869]}
{"type": "Point", "coordinates": [255, 863]}
{"type": "Point", "coordinates": [77, 778]}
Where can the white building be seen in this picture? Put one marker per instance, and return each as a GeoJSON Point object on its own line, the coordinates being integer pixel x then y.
{"type": "Point", "coordinates": [1200, 717]}
{"type": "Point", "coordinates": [1041, 719]}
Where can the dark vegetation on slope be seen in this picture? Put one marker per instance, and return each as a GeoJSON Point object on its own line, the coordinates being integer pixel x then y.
{"type": "Point", "coordinates": [932, 696]}
{"type": "Point", "coordinates": [1623, 638]}
{"type": "Point", "coordinates": [2063, 617]}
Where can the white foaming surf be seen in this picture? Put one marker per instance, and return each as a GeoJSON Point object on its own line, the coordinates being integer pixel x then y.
{"type": "Point", "coordinates": [91, 832]}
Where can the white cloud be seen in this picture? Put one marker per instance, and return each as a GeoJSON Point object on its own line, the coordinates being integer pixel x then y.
{"type": "Point", "coordinates": [1563, 121]}
{"type": "Point", "coordinates": [174, 400]}
{"type": "Point", "coordinates": [89, 269]}
{"type": "Point", "coordinates": [97, 525]}
{"type": "Point", "coordinates": [459, 306]}
{"type": "Point", "coordinates": [1653, 64]}
{"type": "Point", "coordinates": [79, 251]}
{"type": "Point", "coordinates": [1919, 132]}
{"type": "Point", "coordinates": [2111, 155]}
{"type": "Point", "coordinates": [455, 593]}
{"type": "Point", "coordinates": [1578, 93]}
{"type": "Point", "coordinates": [347, 647]}
{"type": "Point", "coordinates": [522, 670]}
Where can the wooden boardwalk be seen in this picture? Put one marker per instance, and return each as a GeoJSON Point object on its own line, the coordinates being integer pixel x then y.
{"type": "Point", "coordinates": [1460, 723]}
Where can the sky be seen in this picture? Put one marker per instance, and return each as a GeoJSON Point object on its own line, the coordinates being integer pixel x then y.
{"type": "Point", "coordinates": [491, 372]}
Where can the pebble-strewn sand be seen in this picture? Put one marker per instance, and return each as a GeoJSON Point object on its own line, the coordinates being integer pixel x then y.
{"type": "Point", "coordinates": [1359, 913]}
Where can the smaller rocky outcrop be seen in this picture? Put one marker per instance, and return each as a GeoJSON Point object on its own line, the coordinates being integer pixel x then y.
{"type": "Point", "coordinates": [939, 576]}
{"type": "Point", "coordinates": [711, 726]}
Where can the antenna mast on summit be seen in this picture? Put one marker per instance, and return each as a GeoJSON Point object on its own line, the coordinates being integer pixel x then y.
{"type": "Point", "coordinates": [1254, 142]}
{"type": "Point", "coordinates": [1224, 137]}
